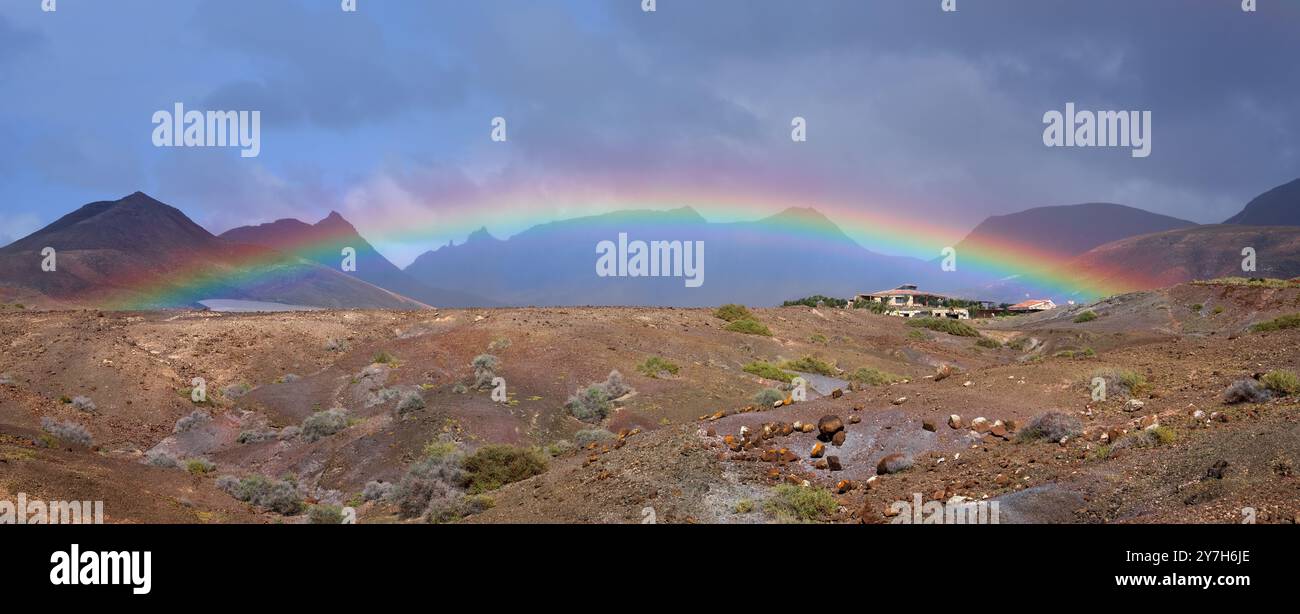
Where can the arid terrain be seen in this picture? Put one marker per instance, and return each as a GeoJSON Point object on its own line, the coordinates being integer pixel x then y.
{"type": "Point", "coordinates": [683, 447]}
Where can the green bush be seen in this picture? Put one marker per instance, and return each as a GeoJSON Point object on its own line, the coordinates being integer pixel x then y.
{"type": "Point", "coordinates": [485, 370]}
{"type": "Point", "coordinates": [493, 466]}
{"type": "Point", "coordinates": [768, 397]}
{"type": "Point", "coordinates": [655, 365]}
{"type": "Point", "coordinates": [1086, 316]}
{"type": "Point", "coordinates": [1122, 381]}
{"type": "Point", "coordinates": [200, 466]}
{"type": "Point", "coordinates": [1281, 382]}
{"type": "Point", "coordinates": [812, 301]}
{"type": "Point", "coordinates": [817, 338]}
{"type": "Point", "coordinates": [790, 503]}
{"type": "Point", "coordinates": [748, 327]}
{"type": "Point", "coordinates": [1279, 323]}
{"type": "Point", "coordinates": [383, 358]}
{"type": "Point", "coordinates": [593, 403]}
{"type": "Point", "coordinates": [985, 342]}
{"type": "Point", "coordinates": [768, 370]}
{"type": "Point", "coordinates": [276, 495]}
{"type": "Point", "coordinates": [876, 307]}
{"type": "Point", "coordinates": [873, 377]}
{"type": "Point", "coordinates": [1197, 307]}
{"type": "Point", "coordinates": [944, 325]}
{"type": "Point", "coordinates": [810, 364]}
{"type": "Point", "coordinates": [324, 423]}
{"type": "Point", "coordinates": [325, 514]}
{"type": "Point", "coordinates": [732, 312]}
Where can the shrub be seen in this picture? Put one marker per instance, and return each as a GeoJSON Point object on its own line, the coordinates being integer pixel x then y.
{"type": "Point", "coordinates": [1281, 383]}
{"type": "Point", "coordinates": [325, 514]}
{"type": "Point", "coordinates": [1125, 382]}
{"type": "Point", "coordinates": [768, 397]}
{"type": "Point", "coordinates": [159, 458]}
{"type": "Point", "coordinates": [876, 307]}
{"type": "Point", "coordinates": [411, 401]}
{"type": "Point", "coordinates": [70, 432]}
{"type": "Point", "coordinates": [586, 437]}
{"type": "Point", "coordinates": [255, 436]}
{"type": "Point", "coordinates": [289, 432]}
{"type": "Point", "coordinates": [732, 312]}
{"type": "Point", "coordinates": [1052, 426]}
{"type": "Point", "coordinates": [200, 466]}
{"type": "Point", "coordinates": [498, 344]}
{"type": "Point", "coordinates": [439, 449]}
{"type": "Point", "coordinates": [336, 345]}
{"type": "Point", "coordinates": [593, 403]}
{"type": "Point", "coordinates": [744, 506]}
{"type": "Point", "coordinates": [1086, 316]}
{"type": "Point", "coordinates": [812, 301]}
{"type": "Point", "coordinates": [234, 391]}
{"type": "Point", "coordinates": [873, 377]}
{"type": "Point", "coordinates": [485, 367]}
{"type": "Point", "coordinates": [1218, 310]}
{"type": "Point", "coordinates": [448, 509]}
{"type": "Point", "coordinates": [1019, 344]}
{"type": "Point", "coordinates": [279, 496]}
{"type": "Point", "coordinates": [654, 366]}
{"type": "Point", "coordinates": [748, 327]}
{"type": "Point", "coordinates": [84, 404]}
{"type": "Point", "coordinates": [1146, 438]}
{"type": "Point", "coordinates": [767, 370]}
{"type": "Point", "coordinates": [1246, 391]}
{"type": "Point", "coordinates": [192, 420]}
{"type": "Point", "coordinates": [427, 479]}
{"type": "Point", "coordinates": [383, 358]}
{"type": "Point", "coordinates": [590, 404]}
{"type": "Point", "coordinates": [376, 490]}
{"type": "Point", "coordinates": [809, 364]}
{"type": "Point", "coordinates": [324, 423]}
{"type": "Point", "coordinates": [1197, 307]}
{"type": "Point", "coordinates": [791, 503]}
{"type": "Point", "coordinates": [1280, 323]}
{"type": "Point", "coordinates": [495, 465]}
{"type": "Point", "coordinates": [985, 342]}
{"type": "Point", "coordinates": [944, 325]}
{"type": "Point", "coordinates": [918, 335]}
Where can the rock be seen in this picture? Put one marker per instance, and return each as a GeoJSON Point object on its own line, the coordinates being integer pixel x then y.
{"type": "Point", "coordinates": [893, 463]}
{"type": "Point", "coordinates": [821, 464]}
{"type": "Point", "coordinates": [943, 372]}
{"type": "Point", "coordinates": [967, 384]}
{"type": "Point", "coordinates": [1134, 405]}
{"type": "Point", "coordinates": [778, 403]}
{"type": "Point", "coordinates": [928, 425]}
{"type": "Point", "coordinates": [1219, 416]}
{"type": "Point", "coordinates": [1198, 415]}
{"type": "Point", "coordinates": [808, 427]}
{"type": "Point", "coordinates": [899, 401]}
{"type": "Point", "coordinates": [843, 486]}
{"type": "Point", "coordinates": [854, 419]}
{"type": "Point", "coordinates": [828, 426]}
{"type": "Point", "coordinates": [1002, 479]}
{"type": "Point", "coordinates": [871, 482]}
{"type": "Point", "coordinates": [837, 393]}
{"type": "Point", "coordinates": [838, 439]}
{"type": "Point", "coordinates": [833, 462]}
{"type": "Point", "coordinates": [798, 425]}
{"type": "Point", "coordinates": [1149, 422]}
{"type": "Point", "coordinates": [818, 449]}
{"type": "Point", "coordinates": [998, 430]}
{"type": "Point", "coordinates": [768, 456]}
{"type": "Point", "coordinates": [954, 421]}
{"type": "Point", "coordinates": [786, 456]}
{"type": "Point", "coordinates": [1215, 472]}
{"type": "Point", "coordinates": [980, 425]}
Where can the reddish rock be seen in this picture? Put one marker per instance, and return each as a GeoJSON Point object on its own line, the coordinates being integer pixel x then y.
{"type": "Point", "coordinates": [818, 450]}
{"type": "Point", "coordinates": [892, 463]}
{"type": "Point", "coordinates": [954, 421]}
{"type": "Point", "coordinates": [828, 426]}
{"type": "Point", "coordinates": [838, 439]}
{"type": "Point", "coordinates": [837, 393]}
{"type": "Point", "coordinates": [928, 425]}
{"type": "Point", "coordinates": [833, 462]}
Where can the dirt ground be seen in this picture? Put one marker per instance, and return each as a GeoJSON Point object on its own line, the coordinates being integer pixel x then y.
{"type": "Point", "coordinates": [269, 371]}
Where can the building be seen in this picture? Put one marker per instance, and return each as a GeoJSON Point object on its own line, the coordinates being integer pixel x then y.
{"type": "Point", "coordinates": [908, 302]}
{"type": "Point", "coordinates": [1032, 305]}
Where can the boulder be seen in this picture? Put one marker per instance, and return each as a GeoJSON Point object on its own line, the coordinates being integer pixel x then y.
{"type": "Point", "coordinates": [828, 426]}
{"type": "Point", "coordinates": [818, 450]}
{"type": "Point", "coordinates": [893, 463]}
{"type": "Point", "coordinates": [833, 463]}
{"type": "Point", "coordinates": [980, 425]}
{"type": "Point", "coordinates": [954, 421]}
{"type": "Point", "coordinates": [838, 439]}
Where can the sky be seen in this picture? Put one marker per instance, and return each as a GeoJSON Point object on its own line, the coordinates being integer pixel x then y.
{"type": "Point", "coordinates": [385, 114]}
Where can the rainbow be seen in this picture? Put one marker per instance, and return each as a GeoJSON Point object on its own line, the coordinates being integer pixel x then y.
{"type": "Point", "coordinates": [878, 227]}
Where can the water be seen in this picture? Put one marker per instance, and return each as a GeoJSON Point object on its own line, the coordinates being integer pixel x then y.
{"type": "Point", "coordinates": [238, 306]}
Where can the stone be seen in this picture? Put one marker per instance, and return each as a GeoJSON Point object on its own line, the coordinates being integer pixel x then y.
{"type": "Point", "coordinates": [838, 439]}
{"type": "Point", "coordinates": [980, 425]}
{"type": "Point", "coordinates": [1149, 422]}
{"type": "Point", "coordinates": [928, 425]}
{"type": "Point", "coordinates": [893, 463]}
{"type": "Point", "coordinates": [821, 464]}
{"type": "Point", "coordinates": [954, 421]}
{"type": "Point", "coordinates": [1134, 405]}
{"type": "Point", "coordinates": [818, 449]}
{"type": "Point", "coordinates": [854, 419]}
{"type": "Point", "coordinates": [833, 463]}
{"type": "Point", "coordinates": [837, 393]}
{"type": "Point", "coordinates": [899, 401]}
{"type": "Point", "coordinates": [827, 426]}
{"type": "Point", "coordinates": [843, 486]}
{"type": "Point", "coordinates": [943, 372]}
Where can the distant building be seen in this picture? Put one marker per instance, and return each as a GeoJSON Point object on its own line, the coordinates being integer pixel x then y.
{"type": "Point", "coordinates": [908, 302]}
{"type": "Point", "coordinates": [1038, 304]}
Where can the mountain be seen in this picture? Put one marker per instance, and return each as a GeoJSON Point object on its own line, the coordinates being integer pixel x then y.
{"type": "Point", "coordinates": [323, 243]}
{"type": "Point", "coordinates": [1279, 206]}
{"type": "Point", "coordinates": [795, 253]}
{"type": "Point", "coordinates": [1068, 230]}
{"type": "Point", "coordinates": [137, 252]}
{"type": "Point", "coordinates": [1177, 256]}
